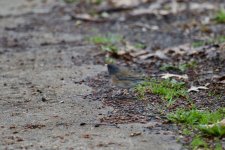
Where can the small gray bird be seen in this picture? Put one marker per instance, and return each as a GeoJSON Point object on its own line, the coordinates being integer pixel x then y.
{"type": "Point", "coordinates": [123, 77]}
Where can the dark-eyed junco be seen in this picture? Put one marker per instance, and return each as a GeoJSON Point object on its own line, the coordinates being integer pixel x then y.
{"type": "Point", "coordinates": [123, 77]}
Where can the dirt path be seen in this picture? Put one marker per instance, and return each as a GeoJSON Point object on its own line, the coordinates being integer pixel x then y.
{"type": "Point", "coordinates": [42, 99]}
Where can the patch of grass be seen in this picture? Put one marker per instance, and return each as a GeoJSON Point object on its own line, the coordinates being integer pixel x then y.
{"type": "Point", "coordinates": [214, 130]}
{"type": "Point", "coordinates": [108, 39]}
{"type": "Point", "coordinates": [220, 39]}
{"type": "Point", "coordinates": [167, 67]}
{"type": "Point", "coordinates": [218, 145]}
{"type": "Point", "coordinates": [109, 60]}
{"type": "Point", "coordinates": [196, 117]}
{"type": "Point", "coordinates": [186, 131]}
{"type": "Point", "coordinates": [216, 40]}
{"type": "Point", "coordinates": [141, 90]}
{"type": "Point", "coordinates": [200, 120]}
{"type": "Point", "coordinates": [202, 124]}
{"type": "Point", "coordinates": [107, 43]}
{"type": "Point", "coordinates": [71, 1]}
{"type": "Point", "coordinates": [198, 142]}
{"type": "Point", "coordinates": [186, 66]}
{"type": "Point", "coordinates": [98, 2]}
{"type": "Point", "coordinates": [139, 46]}
{"type": "Point", "coordinates": [180, 68]}
{"type": "Point", "coordinates": [109, 48]}
{"type": "Point", "coordinates": [198, 44]}
{"type": "Point", "coordinates": [100, 40]}
{"type": "Point", "coordinates": [167, 89]}
{"type": "Point", "coordinates": [220, 16]}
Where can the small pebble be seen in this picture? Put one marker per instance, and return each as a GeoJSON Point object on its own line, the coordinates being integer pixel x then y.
{"type": "Point", "coordinates": [97, 125]}
{"type": "Point", "coordinates": [82, 124]}
{"type": "Point", "coordinates": [43, 99]}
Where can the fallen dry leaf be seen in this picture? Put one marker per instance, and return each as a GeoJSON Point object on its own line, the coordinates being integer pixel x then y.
{"type": "Point", "coordinates": [126, 3]}
{"type": "Point", "coordinates": [152, 9]}
{"type": "Point", "coordinates": [145, 26]}
{"type": "Point", "coordinates": [135, 134]}
{"type": "Point", "coordinates": [86, 17]}
{"type": "Point", "coordinates": [139, 53]}
{"type": "Point", "coordinates": [197, 88]}
{"type": "Point", "coordinates": [157, 54]}
{"type": "Point", "coordinates": [169, 75]}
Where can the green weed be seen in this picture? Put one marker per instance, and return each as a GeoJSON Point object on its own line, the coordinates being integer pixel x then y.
{"type": "Point", "coordinates": [180, 68]}
{"type": "Point", "coordinates": [108, 39]}
{"type": "Point", "coordinates": [216, 40]}
{"type": "Point", "coordinates": [220, 16]}
{"type": "Point", "coordinates": [71, 1]}
{"type": "Point", "coordinates": [218, 145]}
{"type": "Point", "coordinates": [167, 89]}
{"type": "Point", "coordinates": [97, 2]}
{"type": "Point", "coordinates": [107, 43]}
{"type": "Point", "coordinates": [186, 131]}
{"type": "Point", "coordinates": [109, 60]}
{"type": "Point", "coordinates": [198, 44]}
{"type": "Point", "coordinates": [139, 46]}
{"type": "Point", "coordinates": [196, 117]}
{"type": "Point", "coordinates": [109, 48]}
{"type": "Point", "coordinates": [200, 120]}
{"type": "Point", "coordinates": [198, 142]}
{"type": "Point", "coordinates": [214, 130]}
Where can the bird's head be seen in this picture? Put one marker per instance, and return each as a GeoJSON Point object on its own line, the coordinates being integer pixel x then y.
{"type": "Point", "coordinates": [113, 69]}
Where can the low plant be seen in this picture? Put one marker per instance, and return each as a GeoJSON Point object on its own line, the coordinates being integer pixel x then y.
{"type": "Point", "coordinates": [179, 68]}
{"type": "Point", "coordinates": [220, 16]}
{"type": "Point", "coordinates": [167, 89]}
{"type": "Point", "coordinates": [216, 40]}
{"type": "Point", "coordinates": [205, 121]}
{"type": "Point", "coordinates": [198, 142]}
{"type": "Point", "coordinates": [107, 43]}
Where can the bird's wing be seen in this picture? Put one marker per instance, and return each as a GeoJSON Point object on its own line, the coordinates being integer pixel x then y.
{"type": "Point", "coordinates": [130, 78]}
